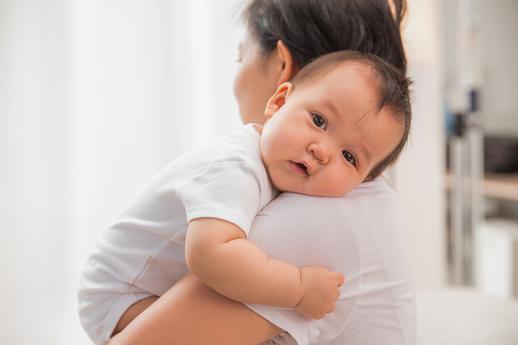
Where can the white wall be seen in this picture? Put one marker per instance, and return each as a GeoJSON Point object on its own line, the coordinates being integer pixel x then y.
{"type": "Point", "coordinates": [33, 174]}
{"type": "Point", "coordinates": [419, 173]}
{"type": "Point", "coordinates": [499, 49]}
{"type": "Point", "coordinates": [95, 97]}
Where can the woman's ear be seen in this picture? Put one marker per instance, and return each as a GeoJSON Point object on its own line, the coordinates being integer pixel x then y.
{"type": "Point", "coordinates": [288, 65]}
{"type": "Point", "coordinates": [278, 99]}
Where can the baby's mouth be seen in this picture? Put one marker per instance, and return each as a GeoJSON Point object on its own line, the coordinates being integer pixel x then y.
{"type": "Point", "coordinates": [299, 168]}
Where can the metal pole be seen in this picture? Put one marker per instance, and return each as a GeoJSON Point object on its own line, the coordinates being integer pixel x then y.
{"type": "Point", "coordinates": [457, 210]}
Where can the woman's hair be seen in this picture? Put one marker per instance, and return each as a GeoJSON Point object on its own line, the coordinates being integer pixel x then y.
{"type": "Point", "coordinates": [311, 28]}
{"type": "Point", "coordinates": [392, 90]}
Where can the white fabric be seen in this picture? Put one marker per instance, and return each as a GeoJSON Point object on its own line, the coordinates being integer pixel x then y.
{"type": "Point", "coordinates": [142, 251]}
{"type": "Point", "coordinates": [358, 235]}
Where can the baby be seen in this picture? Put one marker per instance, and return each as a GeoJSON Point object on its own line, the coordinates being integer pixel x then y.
{"type": "Point", "coordinates": [342, 120]}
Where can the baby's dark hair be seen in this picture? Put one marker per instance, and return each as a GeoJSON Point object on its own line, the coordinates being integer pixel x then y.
{"type": "Point", "coordinates": [392, 91]}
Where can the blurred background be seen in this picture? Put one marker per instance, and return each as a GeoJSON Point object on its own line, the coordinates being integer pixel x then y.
{"type": "Point", "coordinates": [97, 96]}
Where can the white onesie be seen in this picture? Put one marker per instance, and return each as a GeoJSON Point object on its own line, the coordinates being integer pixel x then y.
{"type": "Point", "coordinates": [142, 251]}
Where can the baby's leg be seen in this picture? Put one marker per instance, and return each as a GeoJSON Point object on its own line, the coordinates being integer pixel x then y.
{"type": "Point", "coordinates": [132, 312]}
{"type": "Point", "coordinates": [190, 313]}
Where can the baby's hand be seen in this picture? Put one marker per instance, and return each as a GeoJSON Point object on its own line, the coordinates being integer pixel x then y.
{"type": "Point", "coordinates": [320, 290]}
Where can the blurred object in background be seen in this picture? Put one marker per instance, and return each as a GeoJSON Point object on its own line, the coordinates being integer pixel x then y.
{"type": "Point", "coordinates": [463, 82]}
{"type": "Point", "coordinates": [481, 118]}
{"type": "Point", "coordinates": [501, 154]}
{"type": "Point", "coordinates": [482, 124]}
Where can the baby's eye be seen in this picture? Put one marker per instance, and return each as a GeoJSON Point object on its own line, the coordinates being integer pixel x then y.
{"type": "Point", "coordinates": [319, 121]}
{"type": "Point", "coordinates": [349, 157]}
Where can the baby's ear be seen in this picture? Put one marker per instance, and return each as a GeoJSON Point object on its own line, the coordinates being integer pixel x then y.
{"type": "Point", "coordinates": [278, 99]}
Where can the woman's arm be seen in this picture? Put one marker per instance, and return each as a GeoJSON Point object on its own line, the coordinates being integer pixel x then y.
{"type": "Point", "coordinates": [190, 313]}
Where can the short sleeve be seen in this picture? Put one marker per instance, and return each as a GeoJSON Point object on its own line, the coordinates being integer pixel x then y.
{"type": "Point", "coordinates": [227, 190]}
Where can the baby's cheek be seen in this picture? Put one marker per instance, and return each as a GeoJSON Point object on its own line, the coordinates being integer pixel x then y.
{"type": "Point", "coordinates": [282, 182]}
{"type": "Point", "coordinates": [342, 183]}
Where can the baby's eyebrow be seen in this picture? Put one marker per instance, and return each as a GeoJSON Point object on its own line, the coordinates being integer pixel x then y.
{"type": "Point", "coordinates": [366, 153]}
{"type": "Point", "coordinates": [328, 104]}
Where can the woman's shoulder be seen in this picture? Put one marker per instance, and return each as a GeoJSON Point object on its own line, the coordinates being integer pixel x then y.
{"type": "Point", "coordinates": [374, 188]}
{"type": "Point", "coordinates": [373, 198]}
{"type": "Point", "coordinates": [377, 190]}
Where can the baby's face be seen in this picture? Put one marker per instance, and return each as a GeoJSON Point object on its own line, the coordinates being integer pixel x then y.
{"type": "Point", "coordinates": [324, 137]}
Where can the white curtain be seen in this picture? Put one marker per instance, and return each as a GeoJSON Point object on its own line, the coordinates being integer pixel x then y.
{"type": "Point", "coordinates": [96, 96]}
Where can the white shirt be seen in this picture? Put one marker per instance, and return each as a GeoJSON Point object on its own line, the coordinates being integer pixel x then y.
{"type": "Point", "coordinates": [142, 251]}
{"type": "Point", "coordinates": [358, 235]}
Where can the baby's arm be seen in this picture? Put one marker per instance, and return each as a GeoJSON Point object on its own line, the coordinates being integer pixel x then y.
{"type": "Point", "coordinates": [218, 253]}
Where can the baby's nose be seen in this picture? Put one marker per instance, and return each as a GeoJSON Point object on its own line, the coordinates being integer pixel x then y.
{"type": "Point", "coordinates": [319, 152]}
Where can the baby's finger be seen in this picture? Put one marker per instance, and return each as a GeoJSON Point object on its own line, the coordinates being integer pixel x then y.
{"type": "Point", "coordinates": [319, 316]}
{"type": "Point", "coordinates": [340, 278]}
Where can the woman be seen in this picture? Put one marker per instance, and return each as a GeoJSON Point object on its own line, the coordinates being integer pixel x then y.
{"type": "Point", "coordinates": [357, 234]}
